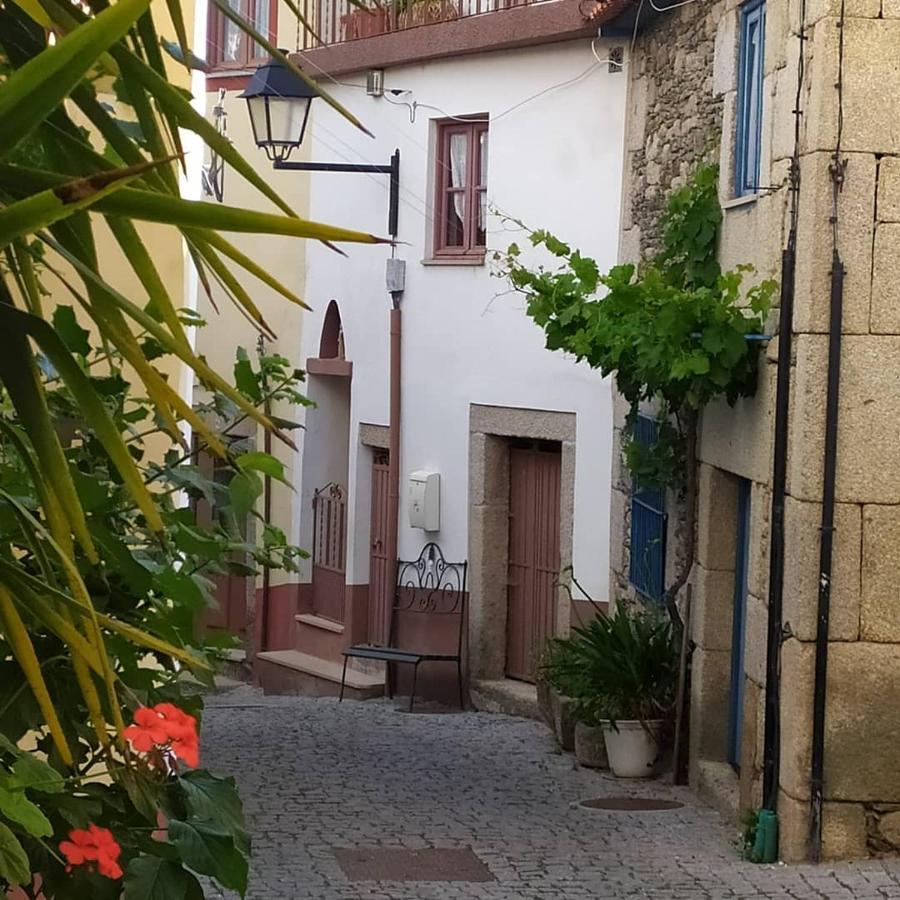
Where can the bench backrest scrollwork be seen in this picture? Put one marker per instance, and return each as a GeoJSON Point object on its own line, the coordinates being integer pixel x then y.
{"type": "Point", "coordinates": [432, 585]}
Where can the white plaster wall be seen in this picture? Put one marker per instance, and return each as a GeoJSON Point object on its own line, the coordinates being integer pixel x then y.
{"type": "Point", "coordinates": [554, 163]}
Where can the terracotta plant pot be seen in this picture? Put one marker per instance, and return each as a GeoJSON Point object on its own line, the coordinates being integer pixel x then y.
{"type": "Point", "coordinates": [590, 746]}
{"type": "Point", "coordinates": [633, 748]}
{"type": "Point", "coordinates": [360, 23]}
{"type": "Point", "coordinates": [564, 721]}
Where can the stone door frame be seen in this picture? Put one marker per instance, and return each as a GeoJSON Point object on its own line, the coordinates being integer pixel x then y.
{"type": "Point", "coordinates": [490, 430]}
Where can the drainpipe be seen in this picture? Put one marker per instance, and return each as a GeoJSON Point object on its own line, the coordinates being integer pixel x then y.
{"type": "Point", "coordinates": [826, 546]}
{"type": "Point", "coordinates": [395, 281]}
{"type": "Point", "coordinates": [262, 608]}
{"type": "Point", "coordinates": [826, 531]}
{"type": "Point", "coordinates": [394, 458]}
{"type": "Point", "coordinates": [771, 740]}
{"type": "Point", "coordinates": [767, 831]}
{"type": "Point", "coordinates": [262, 613]}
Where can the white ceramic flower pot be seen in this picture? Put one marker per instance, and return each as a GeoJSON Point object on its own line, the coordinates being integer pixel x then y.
{"type": "Point", "coordinates": [633, 748]}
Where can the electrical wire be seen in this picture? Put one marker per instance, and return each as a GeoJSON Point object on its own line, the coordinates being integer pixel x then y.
{"type": "Point", "coordinates": [662, 9]}
{"type": "Point", "coordinates": [415, 105]}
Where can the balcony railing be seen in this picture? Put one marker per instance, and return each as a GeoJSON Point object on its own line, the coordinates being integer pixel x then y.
{"type": "Point", "coordinates": [338, 21]}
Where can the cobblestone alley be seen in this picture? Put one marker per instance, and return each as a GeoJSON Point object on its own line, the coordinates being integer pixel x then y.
{"type": "Point", "coordinates": [316, 776]}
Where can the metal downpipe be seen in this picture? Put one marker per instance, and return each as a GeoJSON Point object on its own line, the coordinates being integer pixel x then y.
{"type": "Point", "coordinates": [826, 547]}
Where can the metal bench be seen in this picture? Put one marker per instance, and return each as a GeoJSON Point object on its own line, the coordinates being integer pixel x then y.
{"type": "Point", "coordinates": [428, 585]}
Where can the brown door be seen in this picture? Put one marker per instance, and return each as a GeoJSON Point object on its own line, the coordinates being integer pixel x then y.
{"type": "Point", "coordinates": [230, 610]}
{"type": "Point", "coordinates": [379, 567]}
{"type": "Point", "coordinates": [329, 552]}
{"type": "Point", "coordinates": [534, 470]}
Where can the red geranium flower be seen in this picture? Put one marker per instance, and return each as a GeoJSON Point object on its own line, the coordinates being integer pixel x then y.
{"type": "Point", "coordinates": [165, 726]}
{"type": "Point", "coordinates": [93, 845]}
{"type": "Point", "coordinates": [149, 729]}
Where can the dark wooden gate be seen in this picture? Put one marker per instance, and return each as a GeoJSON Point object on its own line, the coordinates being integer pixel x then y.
{"type": "Point", "coordinates": [329, 551]}
{"type": "Point", "coordinates": [380, 577]}
{"type": "Point", "coordinates": [534, 475]}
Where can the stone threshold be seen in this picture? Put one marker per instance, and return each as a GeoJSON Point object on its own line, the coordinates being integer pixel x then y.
{"type": "Point", "coordinates": [505, 695]}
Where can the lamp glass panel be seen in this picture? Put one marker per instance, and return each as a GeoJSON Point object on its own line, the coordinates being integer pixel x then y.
{"type": "Point", "coordinates": [286, 116]}
{"type": "Point", "coordinates": [257, 107]}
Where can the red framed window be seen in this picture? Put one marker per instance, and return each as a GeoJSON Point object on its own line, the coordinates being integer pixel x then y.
{"type": "Point", "coordinates": [460, 221]}
{"type": "Point", "coordinates": [227, 46]}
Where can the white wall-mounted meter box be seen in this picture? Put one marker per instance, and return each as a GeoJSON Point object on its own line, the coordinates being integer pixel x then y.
{"type": "Point", "coordinates": [425, 501]}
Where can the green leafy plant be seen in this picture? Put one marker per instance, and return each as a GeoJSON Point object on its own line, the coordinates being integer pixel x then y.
{"type": "Point", "coordinates": [158, 823]}
{"type": "Point", "coordinates": [618, 667]}
{"type": "Point", "coordinates": [559, 667]}
{"type": "Point", "coordinates": [749, 825]}
{"type": "Point", "coordinates": [672, 332]}
{"type": "Point", "coordinates": [103, 576]}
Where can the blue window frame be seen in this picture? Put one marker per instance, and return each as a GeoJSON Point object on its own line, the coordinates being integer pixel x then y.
{"type": "Point", "coordinates": [647, 564]}
{"type": "Point", "coordinates": [748, 140]}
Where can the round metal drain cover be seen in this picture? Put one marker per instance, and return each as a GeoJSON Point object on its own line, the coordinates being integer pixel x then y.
{"type": "Point", "coordinates": [631, 804]}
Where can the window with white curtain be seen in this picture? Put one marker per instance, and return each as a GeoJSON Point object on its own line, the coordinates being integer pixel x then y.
{"type": "Point", "coordinates": [461, 188]}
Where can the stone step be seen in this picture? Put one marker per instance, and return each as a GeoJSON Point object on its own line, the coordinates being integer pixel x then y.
{"type": "Point", "coordinates": [317, 636]}
{"type": "Point", "coordinates": [293, 672]}
{"type": "Point", "coordinates": [514, 698]}
{"type": "Point", "coordinates": [315, 621]}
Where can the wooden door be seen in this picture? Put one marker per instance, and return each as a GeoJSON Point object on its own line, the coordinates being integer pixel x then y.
{"type": "Point", "coordinates": [534, 473]}
{"type": "Point", "coordinates": [230, 610]}
{"type": "Point", "coordinates": [329, 551]}
{"type": "Point", "coordinates": [380, 568]}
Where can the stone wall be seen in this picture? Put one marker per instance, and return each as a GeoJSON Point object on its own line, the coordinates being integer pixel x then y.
{"type": "Point", "coordinates": [673, 124]}
{"type": "Point", "coordinates": [862, 754]}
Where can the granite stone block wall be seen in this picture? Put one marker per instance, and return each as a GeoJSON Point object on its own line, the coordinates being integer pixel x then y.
{"type": "Point", "coordinates": [682, 106]}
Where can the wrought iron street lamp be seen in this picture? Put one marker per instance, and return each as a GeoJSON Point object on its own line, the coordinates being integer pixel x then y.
{"type": "Point", "coordinates": [278, 102]}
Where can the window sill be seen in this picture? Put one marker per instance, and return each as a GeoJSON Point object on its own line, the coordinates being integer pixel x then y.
{"type": "Point", "coordinates": [230, 79]}
{"type": "Point", "coordinates": [454, 260]}
{"type": "Point", "coordinates": [737, 202]}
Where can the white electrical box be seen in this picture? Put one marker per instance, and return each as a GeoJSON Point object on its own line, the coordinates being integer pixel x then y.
{"type": "Point", "coordinates": [425, 501]}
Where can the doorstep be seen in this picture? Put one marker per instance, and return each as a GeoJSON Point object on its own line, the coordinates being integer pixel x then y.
{"type": "Point", "coordinates": [505, 695]}
{"type": "Point", "coordinates": [305, 675]}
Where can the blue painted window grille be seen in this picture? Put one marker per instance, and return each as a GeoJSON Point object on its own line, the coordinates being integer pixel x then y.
{"type": "Point", "coordinates": [748, 140]}
{"type": "Point", "coordinates": [647, 564]}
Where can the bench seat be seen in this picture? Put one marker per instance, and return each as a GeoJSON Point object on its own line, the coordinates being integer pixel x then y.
{"type": "Point", "coordinates": [428, 585]}
{"type": "Point", "coordinates": [396, 654]}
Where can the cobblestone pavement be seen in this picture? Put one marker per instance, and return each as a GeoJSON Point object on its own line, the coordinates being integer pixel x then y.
{"type": "Point", "coordinates": [315, 776]}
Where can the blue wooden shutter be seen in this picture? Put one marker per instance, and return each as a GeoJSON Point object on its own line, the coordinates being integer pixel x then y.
{"type": "Point", "coordinates": [748, 138]}
{"type": "Point", "coordinates": [647, 564]}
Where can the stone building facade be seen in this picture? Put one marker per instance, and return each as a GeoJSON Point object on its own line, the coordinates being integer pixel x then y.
{"type": "Point", "coordinates": [683, 84]}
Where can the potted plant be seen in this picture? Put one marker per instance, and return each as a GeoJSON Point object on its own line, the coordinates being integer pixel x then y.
{"type": "Point", "coordinates": [621, 671]}
{"type": "Point", "coordinates": [366, 21]}
{"type": "Point", "coordinates": [561, 676]}
{"type": "Point", "coordinates": [635, 668]}
{"type": "Point", "coordinates": [567, 665]}
{"type": "Point", "coordinates": [590, 743]}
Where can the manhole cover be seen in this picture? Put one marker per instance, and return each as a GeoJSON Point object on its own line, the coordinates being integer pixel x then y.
{"type": "Point", "coordinates": [631, 804]}
{"type": "Point", "coordinates": [433, 864]}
